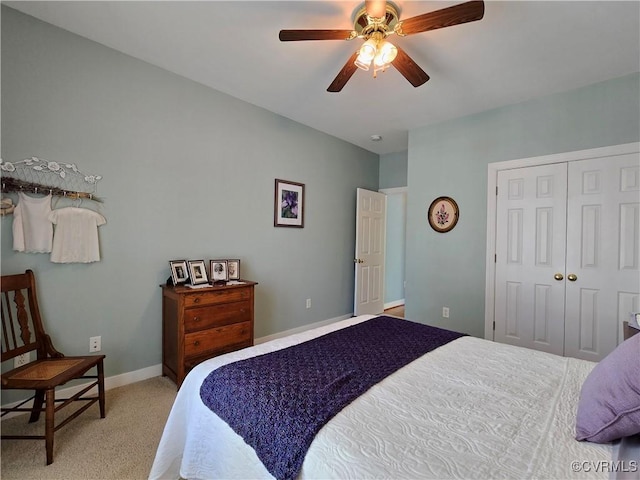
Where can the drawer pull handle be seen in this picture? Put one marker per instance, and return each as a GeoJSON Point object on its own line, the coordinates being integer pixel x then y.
{"type": "Point", "coordinates": [196, 319]}
{"type": "Point", "coordinates": [196, 343]}
{"type": "Point", "coordinates": [196, 300]}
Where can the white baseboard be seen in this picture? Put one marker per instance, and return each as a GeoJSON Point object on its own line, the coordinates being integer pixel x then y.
{"type": "Point", "coordinates": [395, 303]}
{"type": "Point", "coordinates": [304, 328]}
{"type": "Point", "coordinates": [132, 377]}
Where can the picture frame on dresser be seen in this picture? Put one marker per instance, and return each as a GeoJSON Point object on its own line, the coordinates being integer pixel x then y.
{"type": "Point", "coordinates": [179, 271]}
{"type": "Point", "coordinates": [197, 272]}
{"type": "Point", "coordinates": [219, 271]}
{"type": "Point", "coordinates": [233, 268]}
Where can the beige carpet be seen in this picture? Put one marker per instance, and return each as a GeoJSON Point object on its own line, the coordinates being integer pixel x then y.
{"type": "Point", "coordinates": [120, 446]}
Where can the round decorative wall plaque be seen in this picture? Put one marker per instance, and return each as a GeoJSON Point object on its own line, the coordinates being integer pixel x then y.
{"type": "Point", "coordinates": [443, 214]}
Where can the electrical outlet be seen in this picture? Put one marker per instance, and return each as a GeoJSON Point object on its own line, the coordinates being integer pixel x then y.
{"type": "Point", "coordinates": [95, 344]}
{"type": "Point", "coordinates": [308, 303]}
{"type": "Point", "coordinates": [21, 360]}
{"type": "Point", "coordinates": [445, 312]}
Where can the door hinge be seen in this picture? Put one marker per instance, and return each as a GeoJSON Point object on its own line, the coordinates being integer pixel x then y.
{"type": "Point", "coordinates": [496, 190]}
{"type": "Point", "coordinates": [495, 258]}
{"type": "Point", "coordinates": [494, 325]}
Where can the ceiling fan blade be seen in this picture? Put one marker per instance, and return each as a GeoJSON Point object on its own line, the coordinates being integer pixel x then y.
{"type": "Point", "coordinates": [446, 17]}
{"type": "Point", "coordinates": [296, 35]}
{"type": "Point", "coordinates": [376, 8]}
{"type": "Point", "coordinates": [409, 69]}
{"type": "Point", "coordinates": [344, 75]}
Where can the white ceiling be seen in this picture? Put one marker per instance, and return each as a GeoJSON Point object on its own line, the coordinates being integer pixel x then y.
{"type": "Point", "coordinates": [518, 51]}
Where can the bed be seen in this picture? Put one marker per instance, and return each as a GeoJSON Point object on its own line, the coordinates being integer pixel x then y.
{"type": "Point", "coordinates": [470, 408]}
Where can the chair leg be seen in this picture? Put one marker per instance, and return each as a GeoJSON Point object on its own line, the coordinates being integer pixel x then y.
{"type": "Point", "coordinates": [101, 394]}
{"type": "Point", "coordinates": [37, 406]}
{"type": "Point", "coordinates": [49, 423]}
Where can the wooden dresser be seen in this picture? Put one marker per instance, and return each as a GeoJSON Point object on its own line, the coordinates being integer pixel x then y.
{"type": "Point", "coordinates": [198, 324]}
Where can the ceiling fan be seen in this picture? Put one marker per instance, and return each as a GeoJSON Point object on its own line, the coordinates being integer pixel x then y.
{"type": "Point", "coordinates": [374, 22]}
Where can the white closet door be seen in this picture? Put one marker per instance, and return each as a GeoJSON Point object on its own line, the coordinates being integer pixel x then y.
{"type": "Point", "coordinates": [603, 253]}
{"type": "Point", "coordinates": [530, 252]}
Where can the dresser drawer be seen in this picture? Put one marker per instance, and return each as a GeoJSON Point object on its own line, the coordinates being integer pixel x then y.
{"type": "Point", "coordinates": [212, 297]}
{"type": "Point", "coordinates": [200, 318]}
{"type": "Point", "coordinates": [198, 324]}
{"type": "Point", "coordinates": [197, 343]}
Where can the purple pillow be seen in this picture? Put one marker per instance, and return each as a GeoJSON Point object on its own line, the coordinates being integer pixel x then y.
{"type": "Point", "coordinates": [609, 406]}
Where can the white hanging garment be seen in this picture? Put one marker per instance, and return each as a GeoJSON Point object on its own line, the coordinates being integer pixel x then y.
{"type": "Point", "coordinates": [75, 239]}
{"type": "Point", "coordinates": [32, 229]}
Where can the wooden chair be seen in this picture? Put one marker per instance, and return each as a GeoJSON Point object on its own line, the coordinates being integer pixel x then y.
{"type": "Point", "coordinates": [23, 332]}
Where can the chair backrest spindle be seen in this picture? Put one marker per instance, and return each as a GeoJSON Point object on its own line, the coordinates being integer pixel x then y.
{"type": "Point", "coordinates": [21, 323]}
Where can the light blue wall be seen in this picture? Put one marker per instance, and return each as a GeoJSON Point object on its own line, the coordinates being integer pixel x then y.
{"type": "Point", "coordinates": [451, 159]}
{"type": "Point", "coordinates": [393, 170]}
{"type": "Point", "coordinates": [188, 173]}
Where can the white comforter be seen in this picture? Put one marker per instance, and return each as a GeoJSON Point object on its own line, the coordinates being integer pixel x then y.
{"type": "Point", "coordinates": [469, 409]}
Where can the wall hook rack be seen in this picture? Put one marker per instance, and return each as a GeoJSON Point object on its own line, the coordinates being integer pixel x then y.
{"type": "Point", "coordinates": [40, 176]}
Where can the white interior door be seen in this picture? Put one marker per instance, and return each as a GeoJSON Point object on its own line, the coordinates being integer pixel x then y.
{"type": "Point", "coordinates": [603, 253]}
{"type": "Point", "coordinates": [371, 211]}
{"type": "Point", "coordinates": [530, 257]}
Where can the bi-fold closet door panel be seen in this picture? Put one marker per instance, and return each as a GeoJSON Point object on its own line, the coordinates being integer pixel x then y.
{"type": "Point", "coordinates": [567, 255]}
{"type": "Point", "coordinates": [603, 253]}
{"type": "Point", "coordinates": [530, 252]}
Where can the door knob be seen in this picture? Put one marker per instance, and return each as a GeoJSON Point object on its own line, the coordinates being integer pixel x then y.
{"type": "Point", "coordinates": [572, 277]}
{"type": "Point", "coordinates": [357, 260]}
{"type": "Point", "coordinates": [558, 276]}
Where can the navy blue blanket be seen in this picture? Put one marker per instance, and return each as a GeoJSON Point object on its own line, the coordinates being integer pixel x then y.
{"type": "Point", "coordinates": [278, 401]}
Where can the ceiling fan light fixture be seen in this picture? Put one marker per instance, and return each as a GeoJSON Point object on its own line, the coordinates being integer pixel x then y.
{"type": "Point", "coordinates": [362, 65]}
{"type": "Point", "coordinates": [367, 53]}
{"type": "Point", "coordinates": [386, 54]}
{"type": "Point", "coordinates": [373, 21]}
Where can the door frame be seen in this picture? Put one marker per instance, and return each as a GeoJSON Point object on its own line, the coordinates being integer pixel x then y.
{"type": "Point", "coordinates": [492, 185]}
{"type": "Point", "coordinates": [388, 192]}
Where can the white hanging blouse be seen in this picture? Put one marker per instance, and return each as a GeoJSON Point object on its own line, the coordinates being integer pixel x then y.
{"type": "Point", "coordinates": [32, 229]}
{"type": "Point", "coordinates": [75, 239]}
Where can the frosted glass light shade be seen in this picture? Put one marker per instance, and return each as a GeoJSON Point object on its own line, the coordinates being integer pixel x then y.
{"type": "Point", "coordinates": [367, 53]}
{"type": "Point", "coordinates": [386, 54]}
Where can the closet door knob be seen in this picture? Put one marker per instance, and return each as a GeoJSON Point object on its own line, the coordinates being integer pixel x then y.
{"type": "Point", "coordinates": [572, 277]}
{"type": "Point", "coordinates": [558, 276]}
